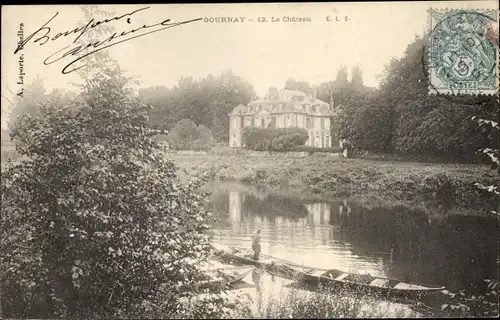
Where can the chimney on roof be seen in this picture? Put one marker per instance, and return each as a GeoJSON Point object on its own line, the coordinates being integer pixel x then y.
{"type": "Point", "coordinates": [273, 92]}
{"type": "Point", "coordinates": [313, 94]}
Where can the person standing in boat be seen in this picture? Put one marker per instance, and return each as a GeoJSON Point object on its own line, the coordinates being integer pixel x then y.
{"type": "Point", "coordinates": [256, 245]}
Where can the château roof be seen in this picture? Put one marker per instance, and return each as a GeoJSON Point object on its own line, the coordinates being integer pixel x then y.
{"type": "Point", "coordinates": [286, 101]}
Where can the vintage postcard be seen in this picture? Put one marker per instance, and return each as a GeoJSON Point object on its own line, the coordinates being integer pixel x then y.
{"type": "Point", "coordinates": [271, 160]}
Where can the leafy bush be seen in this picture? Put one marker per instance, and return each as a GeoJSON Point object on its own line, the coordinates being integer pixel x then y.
{"type": "Point", "coordinates": [95, 221]}
{"type": "Point", "coordinates": [271, 139]}
{"type": "Point", "coordinates": [462, 304]}
{"type": "Point", "coordinates": [186, 135]}
{"type": "Point", "coordinates": [324, 303]}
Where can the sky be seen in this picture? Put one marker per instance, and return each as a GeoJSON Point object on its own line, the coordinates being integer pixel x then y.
{"type": "Point", "coordinates": [264, 53]}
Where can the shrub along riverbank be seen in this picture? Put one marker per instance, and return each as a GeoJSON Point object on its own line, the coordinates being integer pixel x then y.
{"type": "Point", "coordinates": [447, 188]}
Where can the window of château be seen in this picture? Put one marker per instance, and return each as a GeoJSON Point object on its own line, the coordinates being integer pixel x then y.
{"type": "Point", "coordinates": [309, 123]}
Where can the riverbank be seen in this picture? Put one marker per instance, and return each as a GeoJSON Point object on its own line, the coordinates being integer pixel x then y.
{"type": "Point", "coordinates": [263, 298]}
{"type": "Point", "coordinates": [446, 188]}
{"type": "Point", "coordinates": [439, 189]}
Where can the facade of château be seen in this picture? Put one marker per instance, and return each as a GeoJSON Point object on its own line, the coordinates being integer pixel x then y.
{"type": "Point", "coordinates": [284, 109]}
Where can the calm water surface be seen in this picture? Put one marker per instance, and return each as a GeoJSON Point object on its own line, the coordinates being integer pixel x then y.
{"type": "Point", "coordinates": [396, 242]}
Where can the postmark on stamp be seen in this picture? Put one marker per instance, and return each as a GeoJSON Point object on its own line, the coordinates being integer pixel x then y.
{"type": "Point", "coordinates": [462, 56]}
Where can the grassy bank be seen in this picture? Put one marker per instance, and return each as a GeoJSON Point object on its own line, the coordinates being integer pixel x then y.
{"type": "Point", "coordinates": [448, 188]}
{"type": "Point", "coordinates": [324, 304]}
{"type": "Point", "coordinates": [294, 303]}
{"type": "Point", "coordinates": [439, 188]}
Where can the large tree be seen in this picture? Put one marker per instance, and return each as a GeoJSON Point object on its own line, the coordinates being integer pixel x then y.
{"type": "Point", "coordinates": [356, 77]}
{"type": "Point", "coordinates": [34, 94]}
{"type": "Point", "coordinates": [206, 101]}
{"type": "Point", "coordinates": [292, 84]}
{"type": "Point", "coordinates": [341, 77]}
{"type": "Point", "coordinates": [347, 98]}
{"type": "Point", "coordinates": [402, 117]}
{"type": "Point", "coordinates": [156, 97]}
{"type": "Point", "coordinates": [95, 222]}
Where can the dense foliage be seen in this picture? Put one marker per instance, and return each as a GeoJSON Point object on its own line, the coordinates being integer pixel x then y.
{"type": "Point", "coordinates": [95, 222]}
{"type": "Point", "coordinates": [292, 84]}
{"type": "Point", "coordinates": [272, 139]}
{"type": "Point", "coordinates": [403, 118]}
{"type": "Point", "coordinates": [33, 96]}
{"type": "Point", "coordinates": [493, 190]}
{"type": "Point", "coordinates": [186, 135]}
{"type": "Point", "coordinates": [206, 101]}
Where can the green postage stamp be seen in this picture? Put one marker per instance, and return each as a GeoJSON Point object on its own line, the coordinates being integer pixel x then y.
{"type": "Point", "coordinates": [463, 52]}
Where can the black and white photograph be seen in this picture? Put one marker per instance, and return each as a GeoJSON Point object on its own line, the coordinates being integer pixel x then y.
{"type": "Point", "coordinates": [250, 160]}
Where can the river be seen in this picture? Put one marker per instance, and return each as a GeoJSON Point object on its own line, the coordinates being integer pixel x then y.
{"type": "Point", "coordinates": [399, 242]}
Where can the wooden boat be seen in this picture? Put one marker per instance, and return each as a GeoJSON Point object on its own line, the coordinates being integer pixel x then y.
{"type": "Point", "coordinates": [243, 256]}
{"type": "Point", "coordinates": [331, 277]}
{"type": "Point", "coordinates": [220, 277]}
{"type": "Point", "coordinates": [361, 282]}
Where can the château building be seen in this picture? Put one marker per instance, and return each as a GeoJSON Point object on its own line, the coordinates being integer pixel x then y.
{"type": "Point", "coordinates": [284, 109]}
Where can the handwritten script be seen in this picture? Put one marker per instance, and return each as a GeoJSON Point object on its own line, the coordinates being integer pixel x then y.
{"type": "Point", "coordinates": [43, 35]}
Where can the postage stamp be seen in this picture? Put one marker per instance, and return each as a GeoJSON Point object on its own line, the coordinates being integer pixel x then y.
{"type": "Point", "coordinates": [463, 52]}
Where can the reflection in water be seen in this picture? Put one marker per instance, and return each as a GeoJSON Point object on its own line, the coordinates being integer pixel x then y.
{"type": "Point", "coordinates": [397, 242]}
{"type": "Point", "coordinates": [257, 279]}
{"type": "Point", "coordinates": [344, 208]}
